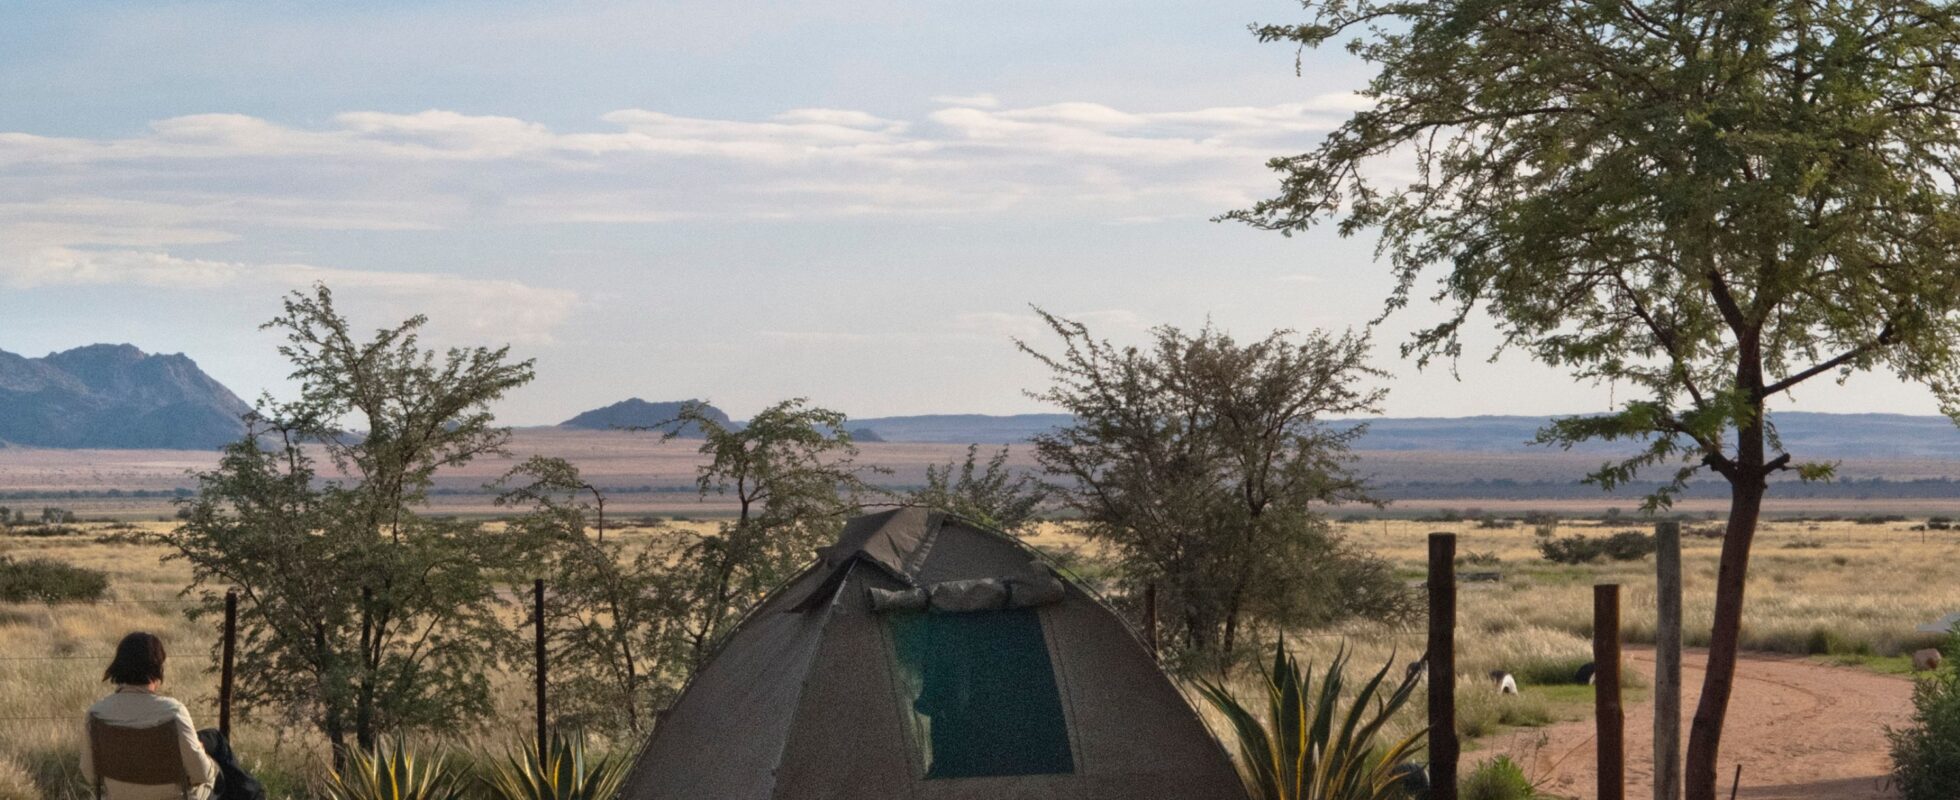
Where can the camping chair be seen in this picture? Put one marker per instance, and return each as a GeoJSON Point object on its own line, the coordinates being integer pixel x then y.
{"type": "Point", "coordinates": [142, 756]}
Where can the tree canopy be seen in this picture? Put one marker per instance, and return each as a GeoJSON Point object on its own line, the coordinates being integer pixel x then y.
{"type": "Point", "coordinates": [360, 614]}
{"type": "Point", "coordinates": [1712, 202]}
{"type": "Point", "coordinates": [1204, 464]}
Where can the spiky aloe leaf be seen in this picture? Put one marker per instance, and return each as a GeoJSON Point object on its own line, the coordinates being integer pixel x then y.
{"type": "Point", "coordinates": [393, 773]}
{"type": "Point", "coordinates": [566, 772]}
{"type": "Point", "coordinates": [1307, 746]}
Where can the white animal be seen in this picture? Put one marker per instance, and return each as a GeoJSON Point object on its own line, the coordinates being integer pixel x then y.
{"type": "Point", "coordinates": [1926, 660]}
{"type": "Point", "coordinates": [1505, 683]}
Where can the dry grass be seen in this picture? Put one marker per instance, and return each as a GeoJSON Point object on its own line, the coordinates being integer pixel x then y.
{"type": "Point", "coordinates": [51, 659]}
{"type": "Point", "coordinates": [1858, 594]}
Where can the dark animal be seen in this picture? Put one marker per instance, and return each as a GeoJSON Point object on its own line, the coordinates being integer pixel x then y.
{"type": "Point", "coordinates": [1412, 779]}
{"type": "Point", "coordinates": [1585, 674]}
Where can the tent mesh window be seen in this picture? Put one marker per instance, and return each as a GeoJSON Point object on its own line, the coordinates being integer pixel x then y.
{"type": "Point", "coordinates": [982, 693]}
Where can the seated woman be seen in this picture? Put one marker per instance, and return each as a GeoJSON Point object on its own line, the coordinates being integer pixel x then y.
{"type": "Point", "coordinates": [134, 713]}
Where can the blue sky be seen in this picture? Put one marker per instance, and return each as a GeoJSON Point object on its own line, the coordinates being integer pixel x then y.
{"type": "Point", "coordinates": [854, 200]}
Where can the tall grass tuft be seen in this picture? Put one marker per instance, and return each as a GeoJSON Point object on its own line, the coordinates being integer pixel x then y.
{"type": "Point", "coordinates": [565, 773]}
{"type": "Point", "coordinates": [1306, 747]}
{"type": "Point", "coordinates": [393, 773]}
{"type": "Point", "coordinates": [1499, 778]}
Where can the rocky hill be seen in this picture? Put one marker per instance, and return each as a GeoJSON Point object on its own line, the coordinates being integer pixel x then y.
{"type": "Point", "coordinates": [637, 413]}
{"type": "Point", "coordinates": [115, 396]}
{"type": "Point", "coordinates": [962, 428]}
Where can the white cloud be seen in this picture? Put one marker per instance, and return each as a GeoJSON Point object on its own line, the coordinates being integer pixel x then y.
{"type": "Point", "coordinates": [144, 209]}
{"type": "Point", "coordinates": [1027, 326]}
{"type": "Point", "coordinates": [815, 338]}
{"type": "Point", "coordinates": [982, 100]}
{"type": "Point", "coordinates": [461, 305]}
{"type": "Point", "coordinates": [371, 169]}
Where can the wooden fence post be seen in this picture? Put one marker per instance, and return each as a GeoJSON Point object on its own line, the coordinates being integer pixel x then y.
{"type": "Point", "coordinates": [1443, 746]}
{"type": "Point", "coordinates": [1610, 716]}
{"type": "Point", "coordinates": [225, 664]}
{"type": "Point", "coordinates": [1667, 661]}
{"type": "Point", "coordinates": [537, 595]}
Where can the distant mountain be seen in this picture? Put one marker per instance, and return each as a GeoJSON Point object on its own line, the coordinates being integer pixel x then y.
{"type": "Point", "coordinates": [115, 396]}
{"type": "Point", "coordinates": [637, 413]}
{"type": "Point", "coordinates": [962, 428]}
{"type": "Point", "coordinates": [1806, 435]}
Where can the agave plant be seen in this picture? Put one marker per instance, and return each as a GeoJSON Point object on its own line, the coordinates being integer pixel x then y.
{"type": "Point", "coordinates": [393, 773]}
{"type": "Point", "coordinates": [564, 773]}
{"type": "Point", "coordinates": [1306, 747]}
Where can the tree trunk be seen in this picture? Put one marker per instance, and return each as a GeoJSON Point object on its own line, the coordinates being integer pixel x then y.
{"type": "Point", "coordinates": [364, 697]}
{"type": "Point", "coordinates": [336, 728]}
{"type": "Point", "coordinates": [1747, 487]}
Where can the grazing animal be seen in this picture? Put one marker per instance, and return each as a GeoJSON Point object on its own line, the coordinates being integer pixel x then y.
{"type": "Point", "coordinates": [1416, 670]}
{"type": "Point", "coordinates": [1412, 779]}
{"type": "Point", "coordinates": [1505, 683]}
{"type": "Point", "coordinates": [1585, 674]}
{"type": "Point", "coordinates": [1926, 660]}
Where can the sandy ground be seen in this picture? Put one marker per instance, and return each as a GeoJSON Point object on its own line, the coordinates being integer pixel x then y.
{"type": "Point", "coordinates": [1800, 730]}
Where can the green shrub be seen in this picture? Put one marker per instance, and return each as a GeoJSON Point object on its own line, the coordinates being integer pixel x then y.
{"type": "Point", "coordinates": [44, 530]}
{"type": "Point", "coordinates": [1307, 747]}
{"type": "Point", "coordinates": [1582, 549]}
{"type": "Point", "coordinates": [45, 580]}
{"type": "Point", "coordinates": [1926, 754]}
{"type": "Point", "coordinates": [1629, 546]}
{"type": "Point", "coordinates": [1499, 778]}
{"type": "Point", "coordinates": [1571, 549]}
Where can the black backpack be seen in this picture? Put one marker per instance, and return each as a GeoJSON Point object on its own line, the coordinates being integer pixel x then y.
{"type": "Point", "coordinates": [234, 783]}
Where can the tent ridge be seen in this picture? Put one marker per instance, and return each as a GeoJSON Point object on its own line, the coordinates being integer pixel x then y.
{"type": "Point", "coordinates": [916, 560]}
{"type": "Point", "coordinates": [803, 690]}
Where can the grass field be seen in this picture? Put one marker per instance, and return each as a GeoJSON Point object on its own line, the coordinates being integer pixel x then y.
{"type": "Point", "coordinates": [1836, 590]}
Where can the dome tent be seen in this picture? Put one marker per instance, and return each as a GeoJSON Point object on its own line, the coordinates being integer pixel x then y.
{"type": "Point", "coordinates": [926, 657]}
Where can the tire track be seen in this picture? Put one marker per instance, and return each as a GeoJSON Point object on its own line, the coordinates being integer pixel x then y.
{"type": "Point", "coordinates": [1800, 730]}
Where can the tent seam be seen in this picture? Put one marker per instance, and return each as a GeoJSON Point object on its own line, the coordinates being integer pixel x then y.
{"type": "Point", "coordinates": [803, 686]}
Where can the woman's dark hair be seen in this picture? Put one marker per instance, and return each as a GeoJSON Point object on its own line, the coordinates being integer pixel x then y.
{"type": "Point", "coordinates": [139, 660]}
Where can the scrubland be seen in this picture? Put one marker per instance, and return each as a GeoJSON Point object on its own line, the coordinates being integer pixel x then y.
{"type": "Point", "coordinates": [1835, 590]}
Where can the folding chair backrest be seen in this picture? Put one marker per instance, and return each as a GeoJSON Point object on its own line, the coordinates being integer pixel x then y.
{"type": "Point", "coordinates": [143, 756]}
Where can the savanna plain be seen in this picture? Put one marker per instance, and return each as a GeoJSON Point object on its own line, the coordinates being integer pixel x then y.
{"type": "Point", "coordinates": [1837, 599]}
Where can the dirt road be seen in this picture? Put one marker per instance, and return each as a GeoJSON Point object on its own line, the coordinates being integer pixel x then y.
{"type": "Point", "coordinates": [1802, 731]}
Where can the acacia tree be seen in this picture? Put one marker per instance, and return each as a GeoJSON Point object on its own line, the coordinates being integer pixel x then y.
{"type": "Point", "coordinates": [1712, 202]}
{"type": "Point", "coordinates": [612, 615]}
{"type": "Point", "coordinates": [792, 475]}
{"type": "Point", "coordinates": [1203, 462]}
{"type": "Point", "coordinates": [994, 494]}
{"type": "Point", "coordinates": [361, 614]}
